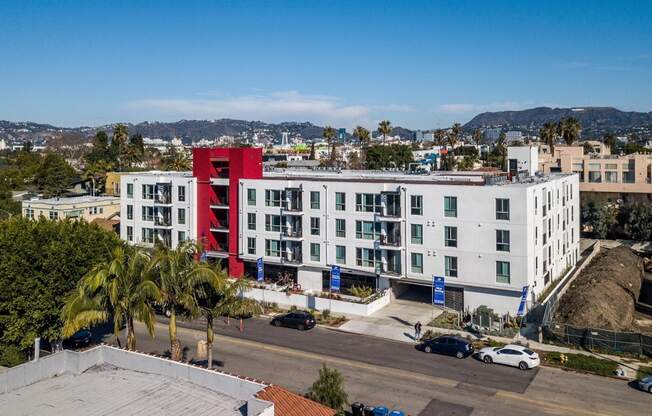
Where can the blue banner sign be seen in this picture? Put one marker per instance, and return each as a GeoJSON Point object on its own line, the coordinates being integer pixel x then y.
{"type": "Point", "coordinates": [259, 267]}
{"type": "Point", "coordinates": [335, 278]}
{"type": "Point", "coordinates": [521, 306]}
{"type": "Point", "coordinates": [439, 290]}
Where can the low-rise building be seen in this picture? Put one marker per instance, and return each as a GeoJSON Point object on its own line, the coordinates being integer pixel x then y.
{"type": "Point", "coordinates": [86, 207]}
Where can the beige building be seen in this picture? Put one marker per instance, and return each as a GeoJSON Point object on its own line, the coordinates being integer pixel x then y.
{"type": "Point", "coordinates": [86, 207]}
{"type": "Point", "coordinates": [601, 172]}
{"type": "Point", "coordinates": [112, 183]}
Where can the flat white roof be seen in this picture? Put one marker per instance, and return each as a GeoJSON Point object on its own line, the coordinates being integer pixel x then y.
{"type": "Point", "coordinates": [73, 200]}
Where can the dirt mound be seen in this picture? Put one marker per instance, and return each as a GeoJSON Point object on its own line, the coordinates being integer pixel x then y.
{"type": "Point", "coordinates": [604, 294]}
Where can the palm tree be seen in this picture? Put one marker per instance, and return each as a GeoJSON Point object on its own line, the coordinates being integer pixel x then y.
{"type": "Point", "coordinates": [385, 128]}
{"type": "Point", "coordinates": [122, 288]}
{"type": "Point", "coordinates": [118, 143]}
{"type": "Point", "coordinates": [569, 129]}
{"type": "Point", "coordinates": [548, 135]}
{"type": "Point", "coordinates": [439, 136]}
{"type": "Point", "coordinates": [176, 160]}
{"type": "Point", "coordinates": [502, 149]}
{"type": "Point", "coordinates": [609, 140]}
{"type": "Point", "coordinates": [225, 299]}
{"type": "Point", "coordinates": [477, 137]}
{"type": "Point", "coordinates": [329, 135]}
{"type": "Point", "coordinates": [181, 281]}
{"type": "Point", "coordinates": [453, 139]}
{"type": "Point", "coordinates": [362, 135]}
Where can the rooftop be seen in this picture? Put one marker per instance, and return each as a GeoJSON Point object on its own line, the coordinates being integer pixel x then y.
{"type": "Point", "coordinates": [86, 199]}
{"type": "Point", "coordinates": [168, 173]}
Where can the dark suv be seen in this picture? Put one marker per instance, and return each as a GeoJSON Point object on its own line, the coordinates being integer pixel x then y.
{"type": "Point", "coordinates": [449, 345]}
{"type": "Point", "coordinates": [300, 320]}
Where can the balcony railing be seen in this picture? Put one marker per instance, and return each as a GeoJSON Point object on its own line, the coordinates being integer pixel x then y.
{"type": "Point", "coordinates": [163, 221]}
{"type": "Point", "coordinates": [386, 240]}
{"type": "Point", "coordinates": [292, 233]}
{"type": "Point", "coordinates": [163, 198]}
{"type": "Point", "coordinates": [219, 225]}
{"type": "Point", "coordinates": [291, 258]}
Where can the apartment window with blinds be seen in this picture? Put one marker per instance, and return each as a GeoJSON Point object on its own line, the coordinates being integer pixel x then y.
{"type": "Point", "coordinates": [251, 197]}
{"type": "Point", "coordinates": [502, 209]}
{"type": "Point", "coordinates": [251, 221]}
{"type": "Point", "coordinates": [148, 235]}
{"type": "Point", "coordinates": [450, 206]}
{"type": "Point", "coordinates": [450, 236]}
{"type": "Point", "coordinates": [148, 191]}
{"type": "Point", "coordinates": [416, 204]}
{"type": "Point", "coordinates": [251, 245]}
{"type": "Point", "coordinates": [366, 257]}
{"type": "Point", "coordinates": [417, 262]}
{"type": "Point", "coordinates": [340, 254]}
{"type": "Point", "coordinates": [314, 226]}
{"type": "Point", "coordinates": [181, 193]}
{"type": "Point", "coordinates": [340, 201]}
{"type": "Point", "coordinates": [130, 212]}
{"type": "Point", "coordinates": [130, 233]}
{"type": "Point", "coordinates": [148, 213]}
{"type": "Point", "coordinates": [502, 240]}
{"type": "Point", "coordinates": [273, 248]}
{"type": "Point", "coordinates": [340, 228]}
{"type": "Point", "coordinates": [502, 272]}
{"type": "Point", "coordinates": [416, 233]}
{"type": "Point", "coordinates": [130, 190]}
{"type": "Point", "coordinates": [367, 230]}
{"type": "Point", "coordinates": [315, 252]}
{"type": "Point", "coordinates": [368, 203]}
{"type": "Point", "coordinates": [181, 216]}
{"type": "Point", "coordinates": [273, 223]}
{"type": "Point", "coordinates": [274, 197]}
{"type": "Point", "coordinates": [181, 236]}
{"type": "Point", "coordinates": [314, 199]}
{"type": "Point", "coordinates": [450, 266]}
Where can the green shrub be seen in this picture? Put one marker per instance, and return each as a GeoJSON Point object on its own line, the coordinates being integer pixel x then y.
{"type": "Point", "coordinates": [10, 356]}
{"type": "Point", "coordinates": [325, 314]}
{"type": "Point", "coordinates": [361, 291]}
{"type": "Point", "coordinates": [581, 362]}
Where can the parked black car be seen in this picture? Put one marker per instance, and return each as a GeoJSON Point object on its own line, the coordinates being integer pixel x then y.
{"type": "Point", "coordinates": [449, 345]}
{"type": "Point", "coordinates": [79, 339]}
{"type": "Point", "coordinates": [300, 320]}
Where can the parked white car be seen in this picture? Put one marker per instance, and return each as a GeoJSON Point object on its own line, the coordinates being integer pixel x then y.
{"type": "Point", "coordinates": [514, 355]}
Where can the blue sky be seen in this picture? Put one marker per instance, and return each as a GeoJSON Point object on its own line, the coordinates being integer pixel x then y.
{"type": "Point", "coordinates": [419, 64]}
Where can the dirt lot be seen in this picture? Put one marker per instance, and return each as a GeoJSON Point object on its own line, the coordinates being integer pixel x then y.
{"type": "Point", "coordinates": [604, 294]}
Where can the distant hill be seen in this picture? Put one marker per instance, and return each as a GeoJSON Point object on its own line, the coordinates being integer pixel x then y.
{"type": "Point", "coordinates": [596, 121]}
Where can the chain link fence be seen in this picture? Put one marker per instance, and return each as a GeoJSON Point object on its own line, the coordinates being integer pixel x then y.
{"type": "Point", "coordinates": [601, 340]}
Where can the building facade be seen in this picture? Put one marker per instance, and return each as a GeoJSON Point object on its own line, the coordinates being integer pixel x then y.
{"type": "Point", "coordinates": [87, 207]}
{"type": "Point", "coordinates": [158, 206]}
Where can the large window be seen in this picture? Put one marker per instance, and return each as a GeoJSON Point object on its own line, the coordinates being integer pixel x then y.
{"type": "Point", "coordinates": [611, 176]}
{"type": "Point", "coordinates": [251, 197]}
{"type": "Point", "coordinates": [130, 233]}
{"type": "Point", "coordinates": [450, 206]}
{"type": "Point", "coordinates": [450, 266]}
{"type": "Point", "coordinates": [340, 254]}
{"type": "Point", "coordinates": [450, 236]}
{"type": "Point", "coordinates": [130, 190]}
{"type": "Point", "coordinates": [273, 248]}
{"type": "Point", "coordinates": [367, 257]}
{"type": "Point", "coordinates": [340, 228]}
{"type": "Point", "coordinates": [368, 203]}
{"type": "Point", "coordinates": [147, 235]}
{"type": "Point", "coordinates": [416, 233]}
{"type": "Point", "coordinates": [273, 223]}
{"type": "Point", "coordinates": [314, 226]}
{"type": "Point", "coordinates": [29, 213]}
{"type": "Point", "coordinates": [502, 272]}
{"type": "Point", "coordinates": [181, 236]}
{"type": "Point", "coordinates": [130, 212]}
{"type": "Point", "coordinates": [314, 199]}
{"type": "Point", "coordinates": [274, 197]}
{"type": "Point", "coordinates": [502, 240]}
{"type": "Point", "coordinates": [315, 252]}
{"type": "Point", "coordinates": [251, 245]}
{"type": "Point", "coordinates": [595, 175]}
{"type": "Point", "coordinates": [502, 209]}
{"type": "Point", "coordinates": [251, 221]}
{"type": "Point", "coordinates": [416, 204]}
{"type": "Point", "coordinates": [417, 262]}
{"type": "Point", "coordinates": [181, 191]}
{"type": "Point", "coordinates": [340, 201]}
{"type": "Point", "coordinates": [181, 216]}
{"type": "Point", "coordinates": [148, 213]}
{"type": "Point", "coordinates": [148, 191]}
{"type": "Point", "coordinates": [367, 230]}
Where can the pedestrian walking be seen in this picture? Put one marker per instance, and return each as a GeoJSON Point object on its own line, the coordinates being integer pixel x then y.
{"type": "Point", "coordinates": [417, 330]}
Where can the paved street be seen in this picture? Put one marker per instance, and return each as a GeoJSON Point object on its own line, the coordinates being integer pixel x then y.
{"type": "Point", "coordinates": [379, 371]}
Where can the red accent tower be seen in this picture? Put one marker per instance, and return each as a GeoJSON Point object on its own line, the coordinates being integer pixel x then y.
{"type": "Point", "coordinates": [218, 172]}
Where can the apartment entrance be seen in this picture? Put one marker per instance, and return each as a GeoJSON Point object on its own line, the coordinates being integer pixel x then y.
{"type": "Point", "coordinates": [422, 293]}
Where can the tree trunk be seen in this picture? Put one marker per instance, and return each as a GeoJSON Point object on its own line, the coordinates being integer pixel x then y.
{"type": "Point", "coordinates": [175, 345]}
{"type": "Point", "coordinates": [209, 341]}
{"type": "Point", "coordinates": [131, 336]}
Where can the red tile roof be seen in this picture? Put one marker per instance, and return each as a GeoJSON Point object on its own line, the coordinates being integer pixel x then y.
{"type": "Point", "coordinates": [287, 403]}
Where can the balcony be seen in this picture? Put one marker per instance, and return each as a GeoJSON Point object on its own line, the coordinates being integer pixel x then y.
{"type": "Point", "coordinates": [292, 258]}
{"type": "Point", "coordinates": [292, 233]}
{"type": "Point", "coordinates": [162, 221]}
{"type": "Point", "coordinates": [293, 200]}
{"type": "Point", "coordinates": [220, 226]}
{"type": "Point", "coordinates": [163, 198]}
{"type": "Point", "coordinates": [390, 240]}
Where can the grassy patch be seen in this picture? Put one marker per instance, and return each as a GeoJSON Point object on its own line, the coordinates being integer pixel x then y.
{"type": "Point", "coordinates": [580, 362]}
{"type": "Point", "coordinates": [643, 371]}
{"type": "Point", "coordinates": [446, 320]}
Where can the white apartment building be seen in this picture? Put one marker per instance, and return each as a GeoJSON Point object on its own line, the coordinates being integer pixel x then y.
{"type": "Point", "coordinates": [158, 206]}
{"type": "Point", "coordinates": [487, 235]}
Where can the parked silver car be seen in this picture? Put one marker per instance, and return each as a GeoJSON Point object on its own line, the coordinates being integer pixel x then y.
{"type": "Point", "coordinates": [645, 384]}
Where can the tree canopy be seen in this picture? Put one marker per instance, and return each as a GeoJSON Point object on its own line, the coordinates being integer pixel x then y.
{"type": "Point", "coordinates": [54, 175]}
{"type": "Point", "coordinates": [384, 157]}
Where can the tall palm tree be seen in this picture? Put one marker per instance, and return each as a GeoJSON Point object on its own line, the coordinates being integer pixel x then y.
{"type": "Point", "coordinates": [609, 140]}
{"type": "Point", "coordinates": [439, 136]}
{"type": "Point", "coordinates": [477, 137]}
{"type": "Point", "coordinates": [452, 139]}
{"type": "Point", "coordinates": [122, 288]}
{"type": "Point", "coordinates": [569, 129]}
{"type": "Point", "coordinates": [362, 135]}
{"type": "Point", "coordinates": [176, 160]}
{"type": "Point", "coordinates": [182, 280]}
{"type": "Point", "coordinates": [501, 147]}
{"type": "Point", "coordinates": [548, 134]}
{"type": "Point", "coordinates": [225, 298]}
{"type": "Point", "coordinates": [329, 135]}
{"type": "Point", "coordinates": [385, 128]}
{"type": "Point", "coordinates": [119, 143]}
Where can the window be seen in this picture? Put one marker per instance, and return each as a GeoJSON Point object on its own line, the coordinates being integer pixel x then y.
{"type": "Point", "coordinates": [340, 201]}
{"type": "Point", "coordinates": [416, 204]}
{"type": "Point", "coordinates": [367, 257]}
{"type": "Point", "coordinates": [314, 251]}
{"type": "Point", "coordinates": [368, 203]}
{"type": "Point", "coordinates": [29, 213]}
{"type": "Point", "coordinates": [181, 236]}
{"type": "Point", "coordinates": [450, 206]}
{"type": "Point", "coordinates": [148, 191]}
{"type": "Point", "coordinates": [367, 230]}
{"type": "Point", "coordinates": [535, 205]}
{"type": "Point", "coordinates": [450, 266]}
{"type": "Point", "coordinates": [148, 235]}
{"type": "Point", "coordinates": [314, 199]}
{"type": "Point", "coordinates": [340, 228]}
{"type": "Point", "coordinates": [502, 209]}
{"type": "Point", "coordinates": [181, 193]}
{"type": "Point", "coordinates": [130, 233]}
{"type": "Point", "coordinates": [417, 262]}
{"type": "Point", "coordinates": [274, 197]}
{"type": "Point", "coordinates": [416, 233]}
{"type": "Point", "coordinates": [148, 213]}
{"type": "Point", "coordinates": [251, 245]}
{"type": "Point", "coordinates": [251, 221]}
{"type": "Point", "coordinates": [502, 272]}
{"type": "Point", "coordinates": [340, 254]}
{"type": "Point", "coordinates": [130, 190]}
{"type": "Point", "coordinates": [611, 177]}
{"type": "Point", "coordinates": [181, 215]}
{"type": "Point", "coordinates": [314, 226]}
{"type": "Point", "coordinates": [273, 223]}
{"type": "Point", "coordinates": [450, 236]}
{"type": "Point", "coordinates": [130, 212]}
{"type": "Point", "coordinates": [251, 197]}
{"type": "Point", "coordinates": [502, 240]}
{"type": "Point", "coordinates": [273, 248]}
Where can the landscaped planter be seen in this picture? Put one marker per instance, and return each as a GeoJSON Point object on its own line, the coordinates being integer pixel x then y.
{"type": "Point", "coordinates": [306, 301]}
